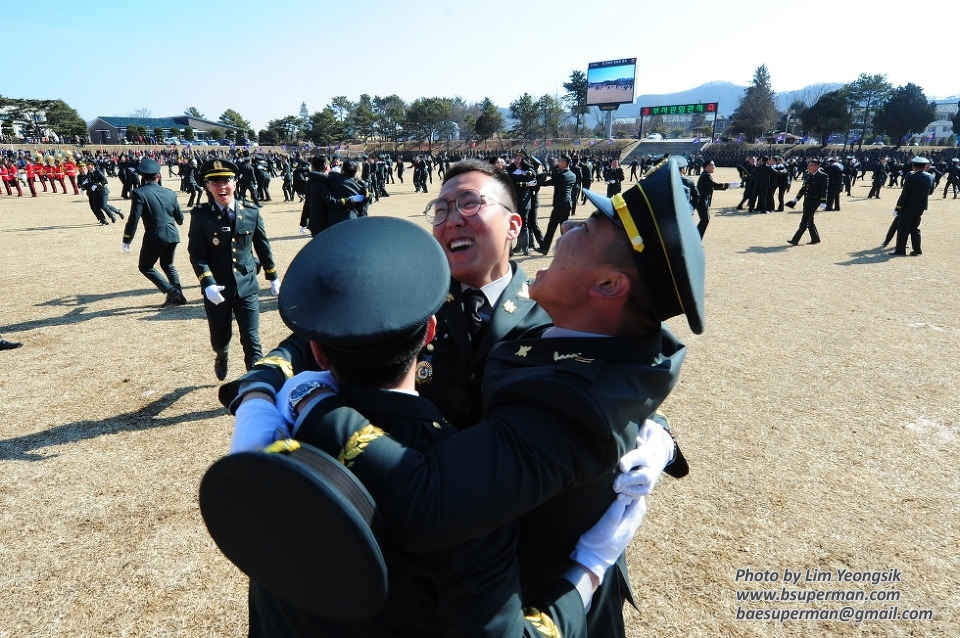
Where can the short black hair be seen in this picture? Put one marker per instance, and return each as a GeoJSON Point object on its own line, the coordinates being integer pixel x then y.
{"type": "Point", "coordinates": [478, 166]}
{"type": "Point", "coordinates": [378, 366]}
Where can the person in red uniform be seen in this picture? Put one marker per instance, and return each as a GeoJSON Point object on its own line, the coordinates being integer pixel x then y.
{"type": "Point", "coordinates": [60, 174]}
{"type": "Point", "coordinates": [30, 170]}
{"type": "Point", "coordinates": [70, 169]}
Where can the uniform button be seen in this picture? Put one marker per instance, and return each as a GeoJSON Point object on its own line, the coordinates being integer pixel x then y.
{"type": "Point", "coordinates": [429, 347]}
{"type": "Point", "coordinates": [234, 260]}
{"type": "Point", "coordinates": [437, 425]}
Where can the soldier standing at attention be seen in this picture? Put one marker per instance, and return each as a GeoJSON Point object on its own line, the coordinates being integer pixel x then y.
{"type": "Point", "coordinates": [223, 236]}
{"type": "Point", "coordinates": [160, 211]}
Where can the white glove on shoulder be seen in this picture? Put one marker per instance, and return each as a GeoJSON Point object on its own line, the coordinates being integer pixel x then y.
{"type": "Point", "coordinates": [601, 545]}
{"type": "Point", "coordinates": [641, 467]}
{"type": "Point", "coordinates": [125, 247]}
{"type": "Point", "coordinates": [356, 199]}
{"type": "Point", "coordinates": [275, 287]}
{"type": "Point", "coordinates": [258, 423]}
{"type": "Point", "coordinates": [212, 292]}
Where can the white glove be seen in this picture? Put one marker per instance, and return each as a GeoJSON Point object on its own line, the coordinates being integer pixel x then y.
{"type": "Point", "coordinates": [309, 378]}
{"type": "Point", "coordinates": [601, 545]}
{"type": "Point", "coordinates": [894, 213]}
{"type": "Point", "coordinates": [275, 287]}
{"type": "Point", "coordinates": [212, 293]}
{"type": "Point", "coordinates": [822, 207]}
{"type": "Point", "coordinates": [532, 183]}
{"type": "Point", "coordinates": [734, 185]}
{"type": "Point", "coordinates": [125, 247]}
{"type": "Point", "coordinates": [304, 230]}
{"type": "Point", "coordinates": [641, 467]}
{"type": "Point", "coordinates": [356, 199]}
{"type": "Point", "coordinates": [258, 423]}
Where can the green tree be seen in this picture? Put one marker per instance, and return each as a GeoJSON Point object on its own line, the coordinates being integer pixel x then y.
{"type": "Point", "coordinates": [215, 134]}
{"type": "Point", "coordinates": [188, 133]}
{"type": "Point", "coordinates": [488, 123]}
{"type": "Point", "coordinates": [552, 115]}
{"type": "Point", "coordinates": [865, 95]}
{"type": "Point", "coordinates": [268, 138]}
{"type": "Point", "coordinates": [192, 111]}
{"type": "Point", "coordinates": [527, 117]}
{"type": "Point", "coordinates": [362, 121]}
{"type": "Point", "coordinates": [234, 119]}
{"type": "Point", "coordinates": [757, 111]}
{"type": "Point", "coordinates": [390, 112]}
{"type": "Point", "coordinates": [64, 119]}
{"type": "Point", "coordinates": [342, 107]}
{"type": "Point", "coordinates": [285, 129]}
{"type": "Point", "coordinates": [426, 117]}
{"type": "Point", "coordinates": [907, 111]}
{"type": "Point", "coordinates": [576, 98]}
{"type": "Point", "coordinates": [831, 114]}
{"type": "Point", "coordinates": [325, 127]}
{"type": "Point", "coordinates": [131, 132]}
{"type": "Point", "coordinates": [158, 133]}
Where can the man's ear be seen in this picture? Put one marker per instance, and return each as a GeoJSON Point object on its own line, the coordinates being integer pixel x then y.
{"type": "Point", "coordinates": [516, 224]}
{"type": "Point", "coordinates": [320, 355]}
{"type": "Point", "coordinates": [615, 284]}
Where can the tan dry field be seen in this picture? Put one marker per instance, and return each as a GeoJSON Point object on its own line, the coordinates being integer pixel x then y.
{"type": "Point", "coordinates": [819, 412]}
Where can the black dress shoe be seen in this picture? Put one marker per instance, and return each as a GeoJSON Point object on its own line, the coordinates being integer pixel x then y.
{"type": "Point", "coordinates": [104, 222]}
{"type": "Point", "coordinates": [814, 242]}
{"type": "Point", "coordinates": [220, 366]}
{"type": "Point", "coordinates": [792, 242]}
{"type": "Point", "coordinates": [916, 252]}
{"type": "Point", "coordinates": [542, 250]}
{"type": "Point", "coordinates": [896, 254]}
{"type": "Point", "coordinates": [9, 345]}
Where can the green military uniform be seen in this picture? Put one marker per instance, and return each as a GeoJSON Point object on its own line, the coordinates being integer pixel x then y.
{"type": "Point", "coordinates": [450, 368]}
{"type": "Point", "coordinates": [559, 415]}
{"type": "Point", "coordinates": [468, 587]}
{"type": "Point", "coordinates": [465, 589]}
{"type": "Point", "coordinates": [222, 253]}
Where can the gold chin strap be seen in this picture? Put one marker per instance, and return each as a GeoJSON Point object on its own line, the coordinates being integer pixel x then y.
{"type": "Point", "coordinates": [620, 206]}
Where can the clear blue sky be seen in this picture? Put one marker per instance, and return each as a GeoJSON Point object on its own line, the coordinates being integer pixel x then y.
{"type": "Point", "coordinates": [264, 59]}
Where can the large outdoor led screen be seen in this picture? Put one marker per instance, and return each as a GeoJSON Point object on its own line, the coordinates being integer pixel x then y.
{"type": "Point", "coordinates": [611, 82]}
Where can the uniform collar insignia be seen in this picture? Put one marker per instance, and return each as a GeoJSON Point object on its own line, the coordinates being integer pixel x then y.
{"type": "Point", "coordinates": [509, 306]}
{"type": "Point", "coordinates": [524, 292]}
{"type": "Point", "coordinates": [449, 298]}
{"type": "Point", "coordinates": [573, 355]}
{"type": "Point", "coordinates": [522, 352]}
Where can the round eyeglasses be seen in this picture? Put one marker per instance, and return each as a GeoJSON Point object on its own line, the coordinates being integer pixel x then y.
{"type": "Point", "coordinates": [468, 203]}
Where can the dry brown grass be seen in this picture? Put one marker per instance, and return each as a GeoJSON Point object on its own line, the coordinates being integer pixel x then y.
{"type": "Point", "coordinates": [818, 410]}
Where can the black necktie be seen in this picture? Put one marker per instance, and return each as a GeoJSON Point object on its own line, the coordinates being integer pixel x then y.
{"type": "Point", "coordinates": [473, 300]}
{"type": "Point", "coordinates": [229, 213]}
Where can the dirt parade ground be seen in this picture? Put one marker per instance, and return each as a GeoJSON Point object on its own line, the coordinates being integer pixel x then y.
{"type": "Point", "coordinates": [818, 411]}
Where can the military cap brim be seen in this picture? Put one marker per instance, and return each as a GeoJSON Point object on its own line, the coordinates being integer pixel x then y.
{"type": "Point", "coordinates": [300, 524]}
{"type": "Point", "coordinates": [365, 282]}
{"type": "Point", "coordinates": [148, 167]}
{"type": "Point", "coordinates": [656, 214]}
{"type": "Point", "coordinates": [919, 160]}
{"type": "Point", "coordinates": [218, 168]}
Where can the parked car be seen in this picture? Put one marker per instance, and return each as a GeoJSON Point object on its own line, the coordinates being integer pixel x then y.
{"type": "Point", "coordinates": [655, 136]}
{"type": "Point", "coordinates": [171, 141]}
{"type": "Point", "coordinates": [226, 142]}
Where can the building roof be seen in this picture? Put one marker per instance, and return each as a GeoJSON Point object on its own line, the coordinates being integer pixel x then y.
{"type": "Point", "coordinates": [149, 123]}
